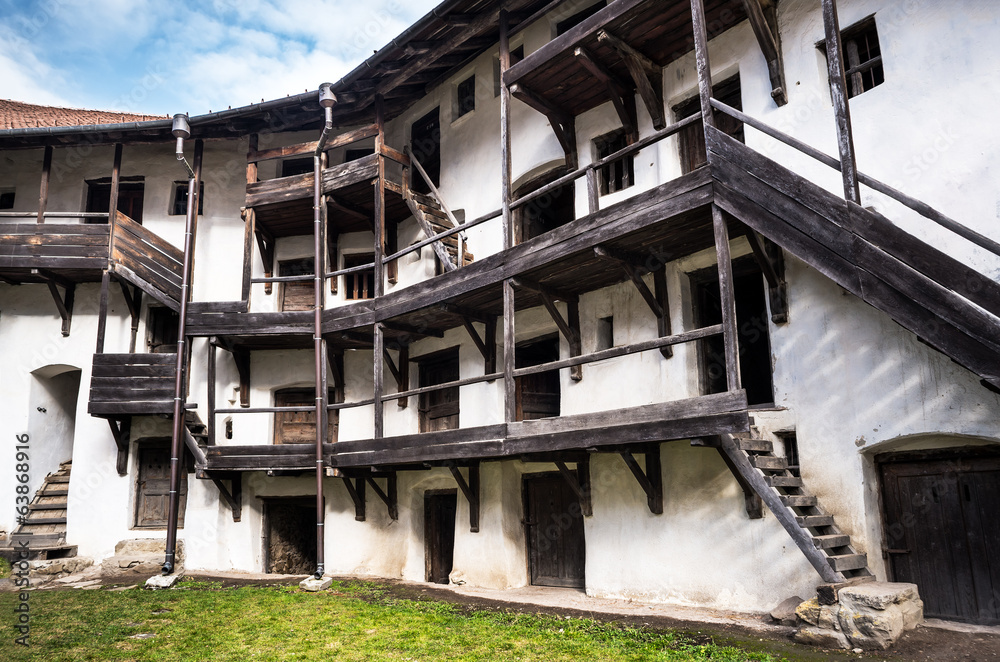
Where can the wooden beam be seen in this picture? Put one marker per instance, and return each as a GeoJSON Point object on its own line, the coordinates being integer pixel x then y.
{"type": "Point", "coordinates": [378, 379]}
{"type": "Point", "coordinates": [389, 496]}
{"type": "Point", "coordinates": [579, 482]}
{"type": "Point", "coordinates": [249, 221]}
{"type": "Point", "coordinates": [120, 430]}
{"type": "Point", "coordinates": [336, 362]}
{"type": "Point", "coordinates": [400, 373]}
{"type": "Point", "coordinates": [641, 68]}
{"type": "Point", "coordinates": [423, 332]}
{"type": "Point", "coordinates": [510, 398]}
{"type": "Point", "coordinates": [700, 28]}
{"type": "Point", "coordinates": [563, 123]}
{"type": "Point", "coordinates": [487, 346]}
{"type": "Point", "coordinates": [841, 106]}
{"type": "Point", "coordinates": [265, 242]}
{"type": "Point", "coordinates": [620, 93]}
{"type": "Point", "coordinates": [505, 160]}
{"type": "Point", "coordinates": [357, 492]}
{"type": "Point", "coordinates": [234, 498]}
{"type": "Point", "coordinates": [471, 491]}
{"type": "Point", "coordinates": [569, 326]}
{"type": "Point", "coordinates": [102, 316]}
{"type": "Point", "coordinates": [752, 500]}
{"type": "Point", "coordinates": [64, 302]}
{"type": "Point", "coordinates": [242, 358]}
{"type": "Point", "coordinates": [770, 47]}
{"type": "Point", "coordinates": [727, 298]}
{"type": "Point", "coordinates": [468, 313]}
{"type": "Point", "coordinates": [771, 260]}
{"type": "Point", "coordinates": [650, 480]}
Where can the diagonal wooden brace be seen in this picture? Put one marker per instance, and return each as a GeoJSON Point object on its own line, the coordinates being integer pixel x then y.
{"type": "Point", "coordinates": [579, 482]}
{"type": "Point", "coordinates": [471, 491]}
{"type": "Point", "coordinates": [641, 68]}
{"type": "Point", "coordinates": [121, 430]}
{"type": "Point", "coordinates": [233, 498]}
{"type": "Point", "coordinates": [563, 123]}
{"type": "Point", "coordinates": [772, 263]}
{"type": "Point", "coordinates": [389, 496]}
{"type": "Point", "coordinates": [621, 94]}
{"type": "Point", "coordinates": [64, 302]}
{"type": "Point", "coordinates": [650, 480]}
{"type": "Point", "coordinates": [568, 326]}
{"type": "Point", "coordinates": [770, 46]}
{"type": "Point", "coordinates": [658, 302]}
{"type": "Point", "coordinates": [357, 492]}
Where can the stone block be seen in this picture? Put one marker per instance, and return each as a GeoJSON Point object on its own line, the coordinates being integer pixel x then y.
{"type": "Point", "coordinates": [162, 581]}
{"type": "Point", "coordinates": [813, 636]}
{"type": "Point", "coordinates": [913, 613]}
{"type": "Point", "coordinates": [829, 617]}
{"type": "Point", "coordinates": [878, 595]}
{"type": "Point", "coordinates": [828, 593]}
{"type": "Point", "coordinates": [871, 629]}
{"type": "Point", "coordinates": [785, 612]}
{"type": "Point", "coordinates": [808, 611]}
{"type": "Point", "coordinates": [312, 584]}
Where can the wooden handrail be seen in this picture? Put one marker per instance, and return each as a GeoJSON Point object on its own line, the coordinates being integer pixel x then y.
{"type": "Point", "coordinates": [441, 235]}
{"type": "Point", "coordinates": [921, 208]}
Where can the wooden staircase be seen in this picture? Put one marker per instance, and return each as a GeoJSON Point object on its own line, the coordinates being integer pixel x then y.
{"type": "Point", "coordinates": [814, 530]}
{"type": "Point", "coordinates": [44, 527]}
{"type": "Point", "coordinates": [432, 220]}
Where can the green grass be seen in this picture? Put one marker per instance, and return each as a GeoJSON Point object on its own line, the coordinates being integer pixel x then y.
{"type": "Point", "coordinates": [4, 568]}
{"type": "Point", "coordinates": [352, 621]}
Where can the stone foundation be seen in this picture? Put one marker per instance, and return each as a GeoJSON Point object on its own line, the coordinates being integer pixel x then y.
{"type": "Point", "coordinates": [870, 616]}
{"type": "Point", "coordinates": [143, 556]}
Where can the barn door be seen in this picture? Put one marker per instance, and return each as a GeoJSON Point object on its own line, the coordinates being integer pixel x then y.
{"type": "Point", "coordinates": [943, 533]}
{"type": "Point", "coordinates": [554, 528]}
{"type": "Point", "coordinates": [440, 507]}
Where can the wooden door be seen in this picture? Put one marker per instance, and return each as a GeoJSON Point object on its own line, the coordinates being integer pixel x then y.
{"type": "Point", "coordinates": [943, 533]}
{"type": "Point", "coordinates": [153, 488]}
{"type": "Point", "coordinates": [439, 409]}
{"type": "Point", "coordinates": [440, 508]}
{"type": "Point", "coordinates": [299, 427]}
{"type": "Point", "coordinates": [554, 531]}
{"type": "Point", "coordinates": [130, 198]}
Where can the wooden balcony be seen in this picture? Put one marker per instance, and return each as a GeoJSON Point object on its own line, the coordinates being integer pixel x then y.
{"type": "Point", "coordinates": [77, 252]}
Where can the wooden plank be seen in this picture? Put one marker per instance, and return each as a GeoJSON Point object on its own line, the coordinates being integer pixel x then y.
{"type": "Point", "coordinates": [168, 250]}
{"type": "Point", "coordinates": [640, 68]}
{"type": "Point", "coordinates": [43, 191]}
{"type": "Point", "coordinates": [352, 172]}
{"type": "Point", "coordinates": [770, 48]}
{"type": "Point", "coordinates": [702, 65]}
{"type": "Point", "coordinates": [841, 106]}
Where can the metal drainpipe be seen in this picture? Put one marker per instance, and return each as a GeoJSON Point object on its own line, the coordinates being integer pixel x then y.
{"type": "Point", "coordinates": [181, 131]}
{"type": "Point", "coordinates": [326, 99]}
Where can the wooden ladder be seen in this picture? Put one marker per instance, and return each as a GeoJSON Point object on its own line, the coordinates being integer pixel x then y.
{"type": "Point", "coordinates": [814, 530]}
{"type": "Point", "coordinates": [432, 220]}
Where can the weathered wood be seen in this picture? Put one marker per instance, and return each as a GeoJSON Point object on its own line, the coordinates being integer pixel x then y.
{"type": "Point", "coordinates": [102, 315]}
{"type": "Point", "coordinates": [841, 106]}
{"type": "Point", "coordinates": [389, 495]}
{"type": "Point", "coordinates": [440, 251]}
{"type": "Point", "coordinates": [211, 385]}
{"type": "Point", "coordinates": [379, 376]}
{"type": "Point", "coordinates": [801, 537]}
{"type": "Point", "coordinates": [505, 157]}
{"type": "Point", "coordinates": [619, 93]}
{"type": "Point", "coordinates": [751, 500]}
{"type": "Point", "coordinates": [770, 47]}
{"type": "Point", "coordinates": [728, 299]}
{"type": "Point", "coordinates": [772, 264]}
{"type": "Point", "coordinates": [43, 189]}
{"type": "Point", "coordinates": [509, 341]}
{"type": "Point", "coordinates": [577, 484]}
{"type": "Point", "coordinates": [640, 68]}
{"type": "Point", "coordinates": [64, 303]}
{"type": "Point", "coordinates": [249, 223]}
{"type": "Point", "coordinates": [471, 491]}
{"type": "Point", "coordinates": [357, 492]}
{"type": "Point", "coordinates": [650, 480]}
{"type": "Point", "coordinates": [562, 122]}
{"type": "Point", "coordinates": [702, 65]}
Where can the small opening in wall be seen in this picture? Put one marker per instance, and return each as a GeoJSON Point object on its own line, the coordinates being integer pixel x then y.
{"type": "Point", "coordinates": [229, 428]}
{"type": "Point", "coordinates": [791, 444]}
{"type": "Point", "coordinates": [466, 91]}
{"type": "Point", "coordinates": [605, 333]}
{"type": "Point", "coordinates": [7, 198]}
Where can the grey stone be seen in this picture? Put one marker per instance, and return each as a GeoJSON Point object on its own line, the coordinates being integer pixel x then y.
{"type": "Point", "coordinates": [828, 593]}
{"type": "Point", "coordinates": [913, 613]}
{"type": "Point", "coordinates": [312, 584]}
{"type": "Point", "coordinates": [162, 581]}
{"type": "Point", "coordinates": [808, 611]}
{"type": "Point", "coordinates": [829, 617]}
{"type": "Point", "coordinates": [813, 636]}
{"type": "Point", "coordinates": [871, 629]}
{"type": "Point", "coordinates": [878, 595]}
{"type": "Point", "coordinates": [785, 612]}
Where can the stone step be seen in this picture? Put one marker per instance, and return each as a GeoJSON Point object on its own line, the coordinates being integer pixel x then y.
{"type": "Point", "coordinates": [809, 521]}
{"type": "Point", "coordinates": [848, 562]}
{"type": "Point", "coordinates": [784, 481]}
{"type": "Point", "coordinates": [798, 501]}
{"type": "Point", "coordinates": [768, 462]}
{"type": "Point", "coordinates": [756, 445]}
{"type": "Point", "coordinates": [831, 541]}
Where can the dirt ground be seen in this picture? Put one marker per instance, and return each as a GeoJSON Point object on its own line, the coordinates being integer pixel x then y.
{"type": "Point", "coordinates": [924, 643]}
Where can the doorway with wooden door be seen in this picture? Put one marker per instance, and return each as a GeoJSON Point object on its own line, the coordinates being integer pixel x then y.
{"type": "Point", "coordinates": [289, 535]}
{"type": "Point", "coordinates": [554, 532]}
{"type": "Point", "coordinates": [942, 531]}
{"type": "Point", "coordinates": [440, 509]}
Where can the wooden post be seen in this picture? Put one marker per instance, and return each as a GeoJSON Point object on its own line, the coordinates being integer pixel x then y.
{"type": "Point", "coordinates": [102, 318]}
{"type": "Point", "coordinates": [116, 172]}
{"type": "Point", "coordinates": [210, 423]}
{"type": "Point", "coordinates": [510, 398]}
{"type": "Point", "coordinates": [379, 367]}
{"type": "Point", "coordinates": [841, 106]}
{"type": "Point", "coordinates": [379, 220]}
{"type": "Point", "coordinates": [43, 189]}
{"type": "Point", "coordinates": [727, 300]}
{"type": "Point", "coordinates": [701, 56]}
{"type": "Point", "coordinates": [593, 190]}
{"type": "Point", "coordinates": [505, 162]}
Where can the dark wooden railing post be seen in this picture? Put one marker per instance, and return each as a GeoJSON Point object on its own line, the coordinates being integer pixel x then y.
{"type": "Point", "coordinates": [702, 61]}
{"type": "Point", "coordinates": [505, 162]}
{"type": "Point", "coordinates": [378, 359]}
{"type": "Point", "coordinates": [841, 106]}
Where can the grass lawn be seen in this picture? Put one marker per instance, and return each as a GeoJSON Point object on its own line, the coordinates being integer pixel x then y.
{"type": "Point", "coordinates": [352, 621]}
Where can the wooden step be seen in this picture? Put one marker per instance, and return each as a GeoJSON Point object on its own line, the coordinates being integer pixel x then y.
{"type": "Point", "coordinates": [831, 541]}
{"type": "Point", "coordinates": [40, 538]}
{"type": "Point", "coordinates": [849, 562]}
{"type": "Point", "coordinates": [798, 501]}
{"type": "Point", "coordinates": [57, 479]}
{"type": "Point", "coordinates": [809, 521]}
{"type": "Point", "coordinates": [437, 213]}
{"type": "Point", "coordinates": [44, 520]}
{"type": "Point", "coordinates": [784, 481]}
{"type": "Point", "coordinates": [53, 493]}
{"type": "Point", "coordinates": [756, 445]}
{"type": "Point", "coordinates": [768, 462]}
{"type": "Point", "coordinates": [47, 506]}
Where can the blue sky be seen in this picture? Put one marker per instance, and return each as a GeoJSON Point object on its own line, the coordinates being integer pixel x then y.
{"type": "Point", "coordinates": [169, 56]}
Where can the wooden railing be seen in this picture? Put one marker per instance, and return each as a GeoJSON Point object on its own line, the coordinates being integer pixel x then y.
{"type": "Point", "coordinates": [44, 246]}
{"type": "Point", "coordinates": [147, 260]}
{"type": "Point", "coordinates": [132, 384]}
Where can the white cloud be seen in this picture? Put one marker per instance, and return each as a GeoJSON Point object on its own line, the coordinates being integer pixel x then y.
{"type": "Point", "coordinates": [25, 77]}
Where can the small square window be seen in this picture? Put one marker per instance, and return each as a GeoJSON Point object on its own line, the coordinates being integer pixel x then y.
{"type": "Point", "coordinates": [466, 96]}
{"type": "Point", "coordinates": [617, 175]}
{"type": "Point", "coordinates": [6, 198]}
{"type": "Point", "coordinates": [291, 167]}
{"type": "Point", "coordinates": [791, 448]}
{"type": "Point", "coordinates": [179, 205]}
{"type": "Point", "coordinates": [862, 57]}
{"type": "Point", "coordinates": [605, 333]}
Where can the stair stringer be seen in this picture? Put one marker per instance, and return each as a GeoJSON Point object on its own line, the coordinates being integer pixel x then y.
{"type": "Point", "coordinates": [440, 251]}
{"type": "Point", "coordinates": [803, 539]}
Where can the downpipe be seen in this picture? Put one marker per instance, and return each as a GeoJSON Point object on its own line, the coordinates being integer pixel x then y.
{"type": "Point", "coordinates": [326, 100]}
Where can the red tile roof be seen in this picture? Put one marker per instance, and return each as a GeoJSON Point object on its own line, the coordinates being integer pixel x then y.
{"type": "Point", "coordinates": [20, 115]}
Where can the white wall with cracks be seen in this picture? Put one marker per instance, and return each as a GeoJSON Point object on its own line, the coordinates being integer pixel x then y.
{"type": "Point", "coordinates": [849, 380]}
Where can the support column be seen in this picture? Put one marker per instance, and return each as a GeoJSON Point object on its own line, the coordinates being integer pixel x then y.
{"type": "Point", "coordinates": [43, 189]}
{"type": "Point", "coordinates": [841, 106]}
{"type": "Point", "coordinates": [505, 162]}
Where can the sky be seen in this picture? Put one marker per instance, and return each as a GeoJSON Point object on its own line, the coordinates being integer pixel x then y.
{"type": "Point", "coordinates": [162, 57]}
